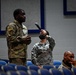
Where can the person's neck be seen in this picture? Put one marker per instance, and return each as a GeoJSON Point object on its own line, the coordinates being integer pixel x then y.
{"type": "Point", "coordinates": [43, 41]}
{"type": "Point", "coordinates": [67, 64]}
{"type": "Point", "coordinates": [19, 22]}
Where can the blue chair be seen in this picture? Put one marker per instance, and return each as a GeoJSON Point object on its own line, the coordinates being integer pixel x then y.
{"type": "Point", "coordinates": [20, 72]}
{"type": "Point", "coordinates": [55, 71]}
{"type": "Point", "coordinates": [6, 68]}
{"type": "Point", "coordinates": [67, 71]}
{"type": "Point", "coordinates": [21, 67]}
{"type": "Point", "coordinates": [32, 72]}
{"type": "Point", "coordinates": [33, 67]}
{"type": "Point", "coordinates": [6, 60]}
{"type": "Point", "coordinates": [56, 62]}
{"type": "Point", "coordinates": [47, 67]}
{"type": "Point", "coordinates": [29, 62]}
{"type": "Point", "coordinates": [11, 64]}
{"type": "Point", "coordinates": [56, 66]}
{"type": "Point", "coordinates": [2, 62]}
{"type": "Point", "coordinates": [12, 73]}
{"type": "Point", "coordinates": [44, 72]}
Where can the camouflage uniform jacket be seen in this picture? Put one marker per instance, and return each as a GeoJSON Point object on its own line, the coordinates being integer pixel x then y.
{"type": "Point", "coordinates": [16, 49]}
{"type": "Point", "coordinates": [41, 54]}
{"type": "Point", "coordinates": [63, 65]}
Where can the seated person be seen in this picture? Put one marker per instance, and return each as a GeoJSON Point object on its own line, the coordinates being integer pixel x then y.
{"type": "Point", "coordinates": [68, 61]}
{"type": "Point", "coordinates": [41, 53]}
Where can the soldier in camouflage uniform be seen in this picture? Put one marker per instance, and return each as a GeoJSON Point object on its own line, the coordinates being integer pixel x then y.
{"type": "Point", "coordinates": [68, 61]}
{"type": "Point", "coordinates": [17, 38]}
{"type": "Point", "coordinates": [41, 53]}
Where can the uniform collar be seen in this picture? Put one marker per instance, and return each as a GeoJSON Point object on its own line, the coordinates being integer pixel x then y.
{"type": "Point", "coordinates": [69, 66]}
{"type": "Point", "coordinates": [18, 24]}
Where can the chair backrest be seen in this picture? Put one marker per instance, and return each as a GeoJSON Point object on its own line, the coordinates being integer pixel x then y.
{"type": "Point", "coordinates": [43, 72]}
{"type": "Point", "coordinates": [12, 73]}
{"type": "Point", "coordinates": [29, 62]}
{"type": "Point", "coordinates": [2, 62]}
{"type": "Point", "coordinates": [6, 68]}
{"type": "Point", "coordinates": [20, 72]}
{"type": "Point", "coordinates": [67, 71]}
{"type": "Point", "coordinates": [6, 60]}
{"type": "Point", "coordinates": [55, 71]}
{"type": "Point", "coordinates": [56, 66]}
{"type": "Point", "coordinates": [33, 67]}
{"type": "Point", "coordinates": [47, 67]}
{"type": "Point", "coordinates": [21, 67]}
{"type": "Point", "coordinates": [56, 62]}
{"type": "Point", "coordinates": [32, 72]}
{"type": "Point", "coordinates": [11, 64]}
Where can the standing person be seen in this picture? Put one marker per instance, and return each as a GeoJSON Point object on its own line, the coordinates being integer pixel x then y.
{"type": "Point", "coordinates": [17, 38]}
{"type": "Point", "coordinates": [41, 53]}
{"type": "Point", "coordinates": [68, 61]}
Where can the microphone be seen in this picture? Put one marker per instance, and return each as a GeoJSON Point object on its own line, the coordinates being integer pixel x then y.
{"type": "Point", "coordinates": [37, 26]}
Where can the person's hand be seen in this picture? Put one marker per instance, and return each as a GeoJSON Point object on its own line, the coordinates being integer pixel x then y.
{"type": "Point", "coordinates": [43, 31]}
{"type": "Point", "coordinates": [40, 67]}
{"type": "Point", "coordinates": [74, 63]}
{"type": "Point", "coordinates": [27, 40]}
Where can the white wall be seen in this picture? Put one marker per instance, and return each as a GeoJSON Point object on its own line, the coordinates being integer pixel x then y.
{"type": "Point", "coordinates": [61, 28]}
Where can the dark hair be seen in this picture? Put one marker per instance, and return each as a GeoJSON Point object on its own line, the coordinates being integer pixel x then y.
{"type": "Point", "coordinates": [47, 32]}
{"type": "Point", "coordinates": [16, 12]}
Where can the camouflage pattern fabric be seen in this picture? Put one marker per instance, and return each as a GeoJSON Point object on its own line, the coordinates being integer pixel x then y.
{"type": "Point", "coordinates": [41, 54]}
{"type": "Point", "coordinates": [21, 61]}
{"type": "Point", "coordinates": [16, 48]}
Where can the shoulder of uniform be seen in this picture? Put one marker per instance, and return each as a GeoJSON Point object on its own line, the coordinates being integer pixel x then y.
{"type": "Point", "coordinates": [36, 44]}
{"type": "Point", "coordinates": [11, 26]}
